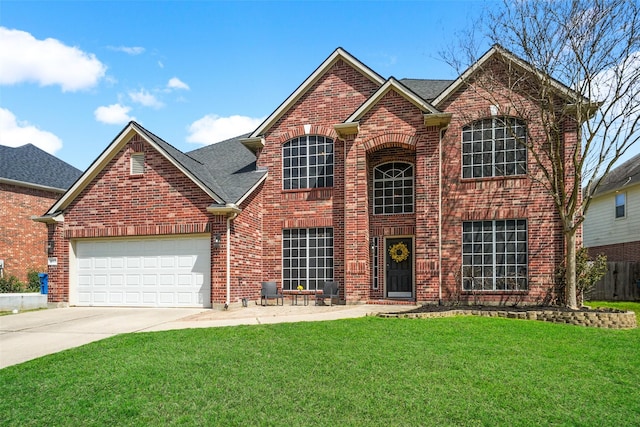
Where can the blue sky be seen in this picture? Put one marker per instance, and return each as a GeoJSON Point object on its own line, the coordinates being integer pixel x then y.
{"type": "Point", "coordinates": [194, 72]}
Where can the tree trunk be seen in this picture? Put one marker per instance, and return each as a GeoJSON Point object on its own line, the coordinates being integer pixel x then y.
{"type": "Point", "coordinates": [570, 272]}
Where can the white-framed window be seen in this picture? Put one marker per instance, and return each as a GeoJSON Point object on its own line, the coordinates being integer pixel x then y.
{"type": "Point", "coordinates": [137, 164]}
{"type": "Point", "coordinates": [621, 205]}
{"type": "Point", "coordinates": [393, 188]}
{"type": "Point", "coordinates": [494, 255]}
{"type": "Point", "coordinates": [307, 257]}
{"type": "Point", "coordinates": [375, 263]}
{"type": "Point", "coordinates": [494, 147]}
{"type": "Point", "coordinates": [307, 162]}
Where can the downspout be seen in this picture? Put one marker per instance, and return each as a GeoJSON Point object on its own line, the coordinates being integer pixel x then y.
{"type": "Point", "coordinates": [228, 299]}
{"type": "Point", "coordinates": [230, 217]}
{"type": "Point", "coordinates": [231, 211]}
{"type": "Point", "coordinates": [442, 131]}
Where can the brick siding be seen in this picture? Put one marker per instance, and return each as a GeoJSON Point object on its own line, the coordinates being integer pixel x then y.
{"type": "Point", "coordinates": [629, 251]}
{"type": "Point", "coordinates": [23, 241]}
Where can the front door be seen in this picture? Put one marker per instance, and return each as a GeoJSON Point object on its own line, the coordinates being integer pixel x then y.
{"type": "Point", "coordinates": [399, 271]}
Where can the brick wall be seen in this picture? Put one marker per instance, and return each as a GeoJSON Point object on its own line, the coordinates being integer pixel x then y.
{"type": "Point", "coordinates": [629, 251]}
{"type": "Point", "coordinates": [23, 241]}
{"type": "Point", "coordinates": [329, 101]}
{"type": "Point", "coordinates": [162, 201]}
{"type": "Point", "coordinates": [497, 198]}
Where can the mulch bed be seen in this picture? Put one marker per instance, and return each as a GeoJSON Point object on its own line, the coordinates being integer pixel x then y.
{"type": "Point", "coordinates": [433, 308]}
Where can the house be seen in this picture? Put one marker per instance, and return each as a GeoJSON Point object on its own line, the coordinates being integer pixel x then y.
{"type": "Point", "coordinates": [30, 181]}
{"type": "Point", "coordinates": [612, 223]}
{"type": "Point", "coordinates": [400, 190]}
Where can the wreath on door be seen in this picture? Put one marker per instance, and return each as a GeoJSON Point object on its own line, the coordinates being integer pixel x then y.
{"type": "Point", "coordinates": [399, 252]}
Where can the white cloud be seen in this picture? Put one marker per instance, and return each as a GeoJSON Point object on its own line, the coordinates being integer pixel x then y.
{"type": "Point", "coordinates": [212, 128]}
{"type": "Point", "coordinates": [176, 83]}
{"type": "Point", "coordinates": [130, 50]}
{"type": "Point", "coordinates": [15, 134]}
{"type": "Point", "coordinates": [114, 114]}
{"type": "Point", "coordinates": [47, 62]}
{"type": "Point", "coordinates": [145, 98]}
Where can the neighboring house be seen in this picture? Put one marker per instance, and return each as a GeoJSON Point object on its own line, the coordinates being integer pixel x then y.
{"type": "Point", "coordinates": [400, 190]}
{"type": "Point", "coordinates": [612, 224]}
{"type": "Point", "coordinates": [31, 180]}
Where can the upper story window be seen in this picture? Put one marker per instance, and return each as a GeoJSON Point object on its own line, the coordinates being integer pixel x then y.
{"type": "Point", "coordinates": [393, 188]}
{"type": "Point", "coordinates": [137, 164]}
{"type": "Point", "coordinates": [307, 162]}
{"type": "Point", "coordinates": [494, 147]}
{"type": "Point", "coordinates": [621, 203]}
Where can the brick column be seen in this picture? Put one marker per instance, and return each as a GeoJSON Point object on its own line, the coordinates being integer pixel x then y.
{"type": "Point", "coordinates": [356, 224]}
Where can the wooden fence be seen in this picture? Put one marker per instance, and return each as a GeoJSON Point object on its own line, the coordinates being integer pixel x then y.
{"type": "Point", "coordinates": [621, 283]}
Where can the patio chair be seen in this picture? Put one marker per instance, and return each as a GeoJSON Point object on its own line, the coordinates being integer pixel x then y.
{"type": "Point", "coordinates": [270, 291]}
{"type": "Point", "coordinates": [330, 290]}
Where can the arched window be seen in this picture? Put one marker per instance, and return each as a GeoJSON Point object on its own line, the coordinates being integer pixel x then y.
{"type": "Point", "coordinates": [393, 188]}
{"type": "Point", "coordinates": [494, 147]}
{"type": "Point", "coordinates": [307, 162]}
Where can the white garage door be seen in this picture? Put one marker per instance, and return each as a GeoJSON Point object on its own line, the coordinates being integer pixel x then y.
{"type": "Point", "coordinates": [144, 273]}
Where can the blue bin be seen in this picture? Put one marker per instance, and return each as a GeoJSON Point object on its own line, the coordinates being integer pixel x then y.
{"type": "Point", "coordinates": [44, 283]}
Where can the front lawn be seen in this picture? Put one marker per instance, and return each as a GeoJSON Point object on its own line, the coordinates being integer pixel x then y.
{"type": "Point", "coordinates": [464, 371]}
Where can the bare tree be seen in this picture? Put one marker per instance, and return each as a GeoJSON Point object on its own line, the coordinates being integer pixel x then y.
{"type": "Point", "coordinates": [573, 68]}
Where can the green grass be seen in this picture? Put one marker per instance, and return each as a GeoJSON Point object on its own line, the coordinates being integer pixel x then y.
{"type": "Point", "coordinates": [461, 371]}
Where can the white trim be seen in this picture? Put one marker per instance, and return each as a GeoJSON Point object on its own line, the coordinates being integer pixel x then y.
{"type": "Point", "coordinates": [109, 153]}
{"type": "Point", "coordinates": [392, 83]}
{"type": "Point", "coordinates": [252, 189]}
{"type": "Point", "coordinates": [31, 185]}
{"type": "Point", "coordinates": [498, 50]}
{"type": "Point", "coordinates": [338, 54]}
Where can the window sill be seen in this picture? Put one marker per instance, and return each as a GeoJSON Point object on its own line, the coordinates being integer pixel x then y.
{"type": "Point", "coordinates": [502, 292]}
{"type": "Point", "coordinates": [495, 178]}
{"type": "Point", "coordinates": [307, 190]}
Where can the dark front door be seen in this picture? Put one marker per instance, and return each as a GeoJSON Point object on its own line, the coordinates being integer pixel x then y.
{"type": "Point", "coordinates": [399, 271]}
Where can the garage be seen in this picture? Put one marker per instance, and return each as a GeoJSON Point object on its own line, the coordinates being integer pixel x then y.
{"type": "Point", "coordinates": [166, 272]}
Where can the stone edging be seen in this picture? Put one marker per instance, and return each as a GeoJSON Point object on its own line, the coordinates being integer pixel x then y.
{"type": "Point", "coordinates": [595, 319]}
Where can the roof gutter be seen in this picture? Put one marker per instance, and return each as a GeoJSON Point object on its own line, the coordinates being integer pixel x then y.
{"type": "Point", "coordinates": [49, 219]}
{"type": "Point", "coordinates": [230, 210]}
{"type": "Point", "coordinates": [31, 185]}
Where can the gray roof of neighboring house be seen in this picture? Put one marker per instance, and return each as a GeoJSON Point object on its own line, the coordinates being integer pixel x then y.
{"type": "Point", "coordinates": [624, 175]}
{"type": "Point", "coordinates": [227, 168]}
{"type": "Point", "coordinates": [30, 165]}
{"type": "Point", "coordinates": [427, 89]}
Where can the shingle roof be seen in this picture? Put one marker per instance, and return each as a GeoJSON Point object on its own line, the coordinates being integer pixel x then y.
{"type": "Point", "coordinates": [427, 89]}
{"type": "Point", "coordinates": [30, 165]}
{"type": "Point", "coordinates": [232, 165]}
{"type": "Point", "coordinates": [624, 175]}
{"type": "Point", "coordinates": [227, 168]}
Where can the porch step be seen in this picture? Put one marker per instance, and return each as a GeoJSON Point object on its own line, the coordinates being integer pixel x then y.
{"type": "Point", "coordinates": [391, 302]}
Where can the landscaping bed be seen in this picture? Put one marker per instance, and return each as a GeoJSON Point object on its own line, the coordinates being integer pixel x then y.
{"type": "Point", "coordinates": [604, 317]}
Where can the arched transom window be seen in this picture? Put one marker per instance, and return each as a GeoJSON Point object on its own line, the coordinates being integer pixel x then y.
{"type": "Point", "coordinates": [494, 147]}
{"type": "Point", "coordinates": [307, 162]}
{"type": "Point", "coordinates": [393, 188]}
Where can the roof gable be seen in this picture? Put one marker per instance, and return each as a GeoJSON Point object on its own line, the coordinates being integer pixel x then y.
{"type": "Point", "coordinates": [31, 166]}
{"type": "Point", "coordinates": [402, 90]}
{"type": "Point", "coordinates": [338, 54]}
{"type": "Point", "coordinates": [499, 51]}
{"type": "Point", "coordinates": [180, 160]}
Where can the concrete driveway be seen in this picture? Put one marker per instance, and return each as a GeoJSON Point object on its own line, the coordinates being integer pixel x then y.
{"type": "Point", "coordinates": [29, 335]}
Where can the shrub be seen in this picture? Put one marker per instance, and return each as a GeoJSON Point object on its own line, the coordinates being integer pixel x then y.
{"type": "Point", "coordinates": [33, 281]}
{"type": "Point", "coordinates": [11, 284]}
{"type": "Point", "coordinates": [588, 272]}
